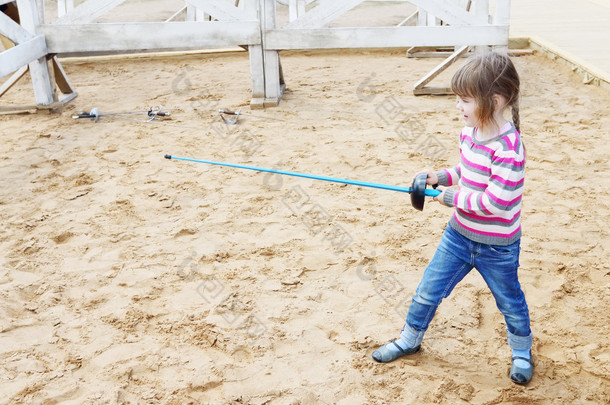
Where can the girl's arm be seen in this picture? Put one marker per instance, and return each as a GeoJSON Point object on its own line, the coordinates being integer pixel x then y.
{"type": "Point", "coordinates": [503, 192]}
{"type": "Point", "coordinates": [449, 177]}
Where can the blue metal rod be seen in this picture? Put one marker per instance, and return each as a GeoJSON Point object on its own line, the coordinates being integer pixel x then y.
{"type": "Point", "coordinates": [428, 192]}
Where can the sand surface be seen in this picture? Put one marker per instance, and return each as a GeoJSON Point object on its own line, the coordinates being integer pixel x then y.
{"type": "Point", "coordinates": [126, 278]}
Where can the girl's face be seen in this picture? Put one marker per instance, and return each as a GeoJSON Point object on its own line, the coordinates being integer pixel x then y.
{"type": "Point", "coordinates": [467, 106]}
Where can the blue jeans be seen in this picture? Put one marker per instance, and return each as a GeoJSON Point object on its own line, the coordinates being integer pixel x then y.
{"type": "Point", "coordinates": [455, 257]}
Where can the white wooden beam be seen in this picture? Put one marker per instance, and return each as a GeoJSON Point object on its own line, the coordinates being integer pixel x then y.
{"type": "Point", "coordinates": [386, 37]}
{"type": "Point", "coordinates": [223, 10]}
{"type": "Point", "coordinates": [10, 82]}
{"type": "Point", "coordinates": [411, 17]}
{"type": "Point", "coordinates": [322, 14]}
{"type": "Point", "coordinates": [177, 14]}
{"type": "Point", "coordinates": [22, 54]}
{"type": "Point", "coordinates": [450, 13]}
{"type": "Point", "coordinates": [61, 78]}
{"type": "Point", "coordinates": [12, 30]}
{"type": "Point", "coordinates": [149, 36]}
{"type": "Point", "coordinates": [420, 85]}
{"type": "Point", "coordinates": [88, 11]}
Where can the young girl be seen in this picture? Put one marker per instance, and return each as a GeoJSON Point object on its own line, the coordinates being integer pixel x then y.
{"type": "Point", "coordinates": [485, 229]}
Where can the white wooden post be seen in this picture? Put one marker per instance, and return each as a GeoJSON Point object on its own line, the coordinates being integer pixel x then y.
{"type": "Point", "coordinates": [190, 13]}
{"type": "Point", "coordinates": [39, 69]}
{"type": "Point", "coordinates": [40, 8]}
{"type": "Point", "coordinates": [482, 11]}
{"type": "Point", "coordinates": [271, 59]}
{"type": "Point", "coordinates": [257, 67]}
{"type": "Point", "coordinates": [422, 17]}
{"type": "Point", "coordinates": [433, 21]}
{"type": "Point", "coordinates": [64, 7]}
{"type": "Point", "coordinates": [502, 17]}
{"type": "Point", "coordinates": [196, 14]}
{"type": "Point", "coordinates": [293, 12]}
{"type": "Point", "coordinates": [61, 8]}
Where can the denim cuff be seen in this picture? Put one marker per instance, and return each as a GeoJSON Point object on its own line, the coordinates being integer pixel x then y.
{"type": "Point", "coordinates": [411, 337]}
{"type": "Point", "coordinates": [519, 342]}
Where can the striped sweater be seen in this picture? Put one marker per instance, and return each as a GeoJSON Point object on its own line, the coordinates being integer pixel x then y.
{"type": "Point", "coordinates": [490, 187]}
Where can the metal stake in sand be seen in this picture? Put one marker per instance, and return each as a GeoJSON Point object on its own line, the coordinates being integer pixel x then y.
{"type": "Point", "coordinates": [418, 190]}
{"type": "Point", "coordinates": [229, 121]}
{"type": "Point", "coordinates": [95, 114]}
{"type": "Point", "coordinates": [236, 114]}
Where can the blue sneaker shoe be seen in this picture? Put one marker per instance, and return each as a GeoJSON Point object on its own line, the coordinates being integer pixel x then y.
{"type": "Point", "coordinates": [521, 370]}
{"type": "Point", "coordinates": [392, 351]}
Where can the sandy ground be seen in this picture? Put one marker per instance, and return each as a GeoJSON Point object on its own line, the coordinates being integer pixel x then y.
{"type": "Point", "coordinates": [128, 278]}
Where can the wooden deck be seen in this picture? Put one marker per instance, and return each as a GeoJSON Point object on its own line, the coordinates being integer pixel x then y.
{"type": "Point", "coordinates": [576, 30]}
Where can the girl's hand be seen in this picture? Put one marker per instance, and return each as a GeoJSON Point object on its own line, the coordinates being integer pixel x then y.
{"type": "Point", "coordinates": [432, 178]}
{"type": "Point", "coordinates": [441, 197]}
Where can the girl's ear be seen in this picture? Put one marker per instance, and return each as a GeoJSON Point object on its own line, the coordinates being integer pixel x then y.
{"type": "Point", "coordinates": [499, 101]}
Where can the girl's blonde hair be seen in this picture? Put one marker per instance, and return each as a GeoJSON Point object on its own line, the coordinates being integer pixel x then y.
{"type": "Point", "coordinates": [483, 76]}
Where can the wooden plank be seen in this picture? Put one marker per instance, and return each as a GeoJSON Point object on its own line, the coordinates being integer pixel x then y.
{"type": "Point", "coordinates": [10, 82]}
{"type": "Point", "coordinates": [441, 67]}
{"type": "Point", "coordinates": [433, 91]}
{"type": "Point", "coordinates": [223, 10]}
{"type": "Point", "coordinates": [12, 30]}
{"type": "Point", "coordinates": [22, 54]}
{"type": "Point", "coordinates": [385, 37]}
{"type": "Point", "coordinates": [450, 13]}
{"type": "Point", "coordinates": [61, 78]}
{"type": "Point", "coordinates": [88, 11]}
{"type": "Point", "coordinates": [149, 36]}
{"type": "Point", "coordinates": [321, 15]}
{"type": "Point", "coordinates": [12, 109]}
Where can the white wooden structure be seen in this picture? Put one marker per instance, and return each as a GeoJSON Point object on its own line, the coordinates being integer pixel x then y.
{"type": "Point", "coordinates": [221, 23]}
